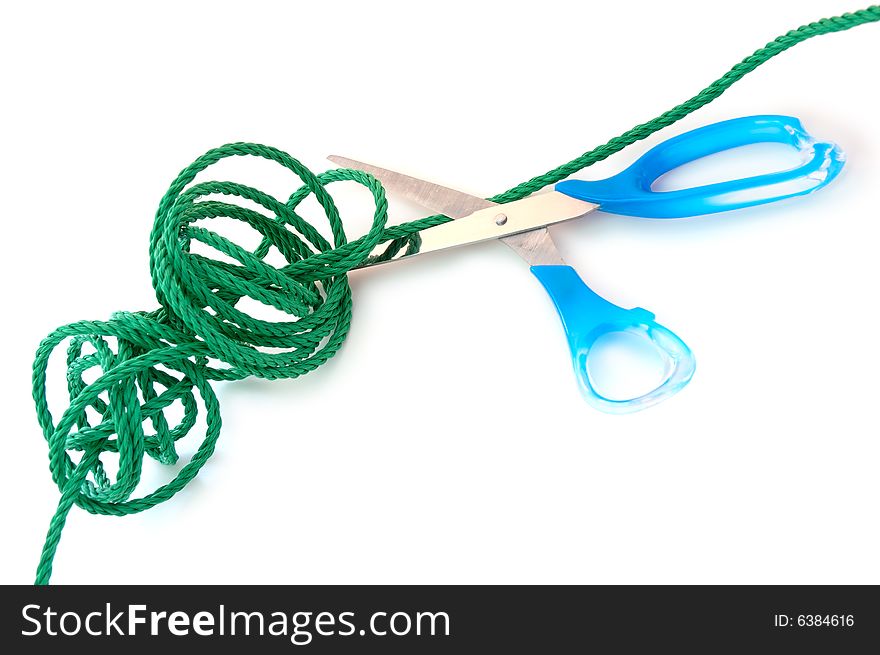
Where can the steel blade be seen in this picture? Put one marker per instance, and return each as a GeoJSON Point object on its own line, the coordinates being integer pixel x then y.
{"type": "Point", "coordinates": [435, 197]}
{"type": "Point", "coordinates": [536, 246]}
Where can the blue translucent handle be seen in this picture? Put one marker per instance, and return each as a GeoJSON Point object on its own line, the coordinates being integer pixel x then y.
{"type": "Point", "coordinates": [586, 316]}
{"type": "Point", "coordinates": [629, 192]}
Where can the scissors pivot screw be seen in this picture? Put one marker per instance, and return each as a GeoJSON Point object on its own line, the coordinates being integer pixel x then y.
{"type": "Point", "coordinates": [501, 219]}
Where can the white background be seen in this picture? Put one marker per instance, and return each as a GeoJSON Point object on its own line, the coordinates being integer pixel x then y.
{"type": "Point", "coordinates": [447, 441]}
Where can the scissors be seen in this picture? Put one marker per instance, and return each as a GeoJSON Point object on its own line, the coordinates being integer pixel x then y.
{"type": "Point", "coordinates": [586, 316]}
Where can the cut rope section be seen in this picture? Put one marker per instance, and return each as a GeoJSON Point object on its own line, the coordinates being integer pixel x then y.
{"type": "Point", "coordinates": [169, 356]}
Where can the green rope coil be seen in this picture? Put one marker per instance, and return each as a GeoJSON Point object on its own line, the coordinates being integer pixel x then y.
{"type": "Point", "coordinates": [167, 357]}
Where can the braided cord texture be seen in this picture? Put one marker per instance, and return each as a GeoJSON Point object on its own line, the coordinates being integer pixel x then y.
{"type": "Point", "coordinates": [147, 362]}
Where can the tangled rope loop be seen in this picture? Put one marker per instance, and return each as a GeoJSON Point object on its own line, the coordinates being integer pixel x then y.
{"type": "Point", "coordinates": [163, 358]}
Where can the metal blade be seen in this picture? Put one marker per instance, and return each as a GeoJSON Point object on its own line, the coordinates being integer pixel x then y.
{"type": "Point", "coordinates": [536, 246]}
{"type": "Point", "coordinates": [526, 216]}
{"type": "Point", "coordinates": [440, 199]}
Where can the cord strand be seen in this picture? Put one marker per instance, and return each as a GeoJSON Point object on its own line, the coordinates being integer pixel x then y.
{"type": "Point", "coordinates": [168, 357]}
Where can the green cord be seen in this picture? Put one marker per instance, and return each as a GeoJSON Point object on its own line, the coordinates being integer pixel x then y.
{"type": "Point", "coordinates": [198, 335]}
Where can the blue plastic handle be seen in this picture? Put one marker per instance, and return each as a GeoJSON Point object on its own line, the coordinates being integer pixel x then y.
{"type": "Point", "coordinates": [629, 192]}
{"type": "Point", "coordinates": [586, 316]}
